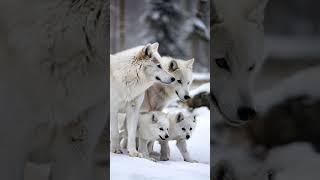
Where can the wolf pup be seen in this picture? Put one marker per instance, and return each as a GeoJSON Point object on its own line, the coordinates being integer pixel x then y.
{"type": "Point", "coordinates": [131, 74]}
{"type": "Point", "coordinates": [180, 129]}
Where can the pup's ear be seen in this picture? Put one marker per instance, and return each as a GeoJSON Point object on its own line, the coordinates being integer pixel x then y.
{"type": "Point", "coordinates": [154, 118]}
{"type": "Point", "coordinates": [147, 50]}
{"type": "Point", "coordinates": [180, 117]}
{"type": "Point", "coordinates": [190, 63]}
{"type": "Point", "coordinates": [173, 65]}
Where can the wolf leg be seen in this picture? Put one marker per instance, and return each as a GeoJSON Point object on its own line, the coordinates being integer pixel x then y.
{"type": "Point", "coordinates": [182, 146]}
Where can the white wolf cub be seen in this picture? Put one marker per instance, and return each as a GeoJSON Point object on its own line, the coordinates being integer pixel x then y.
{"type": "Point", "coordinates": [180, 129]}
{"type": "Point", "coordinates": [152, 126]}
{"type": "Point", "coordinates": [131, 74]}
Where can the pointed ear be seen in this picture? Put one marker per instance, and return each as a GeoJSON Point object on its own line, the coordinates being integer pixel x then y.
{"type": "Point", "coordinates": [180, 117]}
{"type": "Point", "coordinates": [147, 50]}
{"type": "Point", "coordinates": [190, 63]}
{"type": "Point", "coordinates": [173, 65]}
{"type": "Point", "coordinates": [154, 118]}
{"type": "Point", "coordinates": [256, 15]}
{"type": "Point", "coordinates": [155, 46]}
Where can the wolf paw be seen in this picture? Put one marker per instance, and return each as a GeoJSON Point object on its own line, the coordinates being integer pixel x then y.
{"type": "Point", "coordinates": [152, 159]}
{"type": "Point", "coordinates": [116, 150]}
{"type": "Point", "coordinates": [135, 153]}
{"type": "Point", "coordinates": [154, 153]}
{"type": "Point", "coordinates": [164, 158]}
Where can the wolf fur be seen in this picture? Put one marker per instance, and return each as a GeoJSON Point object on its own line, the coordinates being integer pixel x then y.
{"type": "Point", "coordinates": [180, 129]}
{"type": "Point", "coordinates": [132, 73]}
{"type": "Point", "coordinates": [238, 54]}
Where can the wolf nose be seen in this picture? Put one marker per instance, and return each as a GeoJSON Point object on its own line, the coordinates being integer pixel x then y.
{"type": "Point", "coordinates": [246, 113]}
{"type": "Point", "coordinates": [188, 136]}
{"type": "Point", "coordinates": [166, 136]}
{"type": "Point", "coordinates": [173, 79]}
{"type": "Point", "coordinates": [186, 97]}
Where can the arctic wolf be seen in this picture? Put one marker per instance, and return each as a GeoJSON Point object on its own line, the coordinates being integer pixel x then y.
{"type": "Point", "coordinates": [152, 126]}
{"type": "Point", "coordinates": [238, 52]}
{"type": "Point", "coordinates": [180, 129]}
{"type": "Point", "coordinates": [158, 95]}
{"type": "Point", "coordinates": [131, 74]}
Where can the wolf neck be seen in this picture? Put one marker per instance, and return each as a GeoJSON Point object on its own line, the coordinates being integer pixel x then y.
{"type": "Point", "coordinates": [136, 81]}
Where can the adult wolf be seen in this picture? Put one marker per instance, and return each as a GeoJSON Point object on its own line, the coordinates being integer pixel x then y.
{"type": "Point", "coordinates": [131, 74]}
{"type": "Point", "coordinates": [238, 53]}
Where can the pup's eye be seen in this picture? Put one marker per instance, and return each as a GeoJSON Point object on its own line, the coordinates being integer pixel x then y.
{"type": "Point", "coordinates": [183, 129]}
{"type": "Point", "coordinates": [179, 81]}
{"type": "Point", "coordinates": [159, 66]}
{"type": "Point", "coordinates": [222, 63]}
{"type": "Point", "coordinates": [251, 68]}
{"type": "Point", "coordinates": [188, 83]}
{"type": "Point", "coordinates": [161, 129]}
{"type": "Point", "coordinates": [190, 129]}
{"type": "Point", "coordinates": [167, 129]}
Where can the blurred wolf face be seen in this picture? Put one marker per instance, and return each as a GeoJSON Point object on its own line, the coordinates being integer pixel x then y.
{"type": "Point", "coordinates": [238, 53]}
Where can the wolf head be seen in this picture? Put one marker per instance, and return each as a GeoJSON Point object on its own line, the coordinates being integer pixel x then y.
{"type": "Point", "coordinates": [152, 66]}
{"type": "Point", "coordinates": [185, 125]}
{"type": "Point", "coordinates": [182, 72]}
{"type": "Point", "coordinates": [238, 52]}
{"type": "Point", "coordinates": [159, 125]}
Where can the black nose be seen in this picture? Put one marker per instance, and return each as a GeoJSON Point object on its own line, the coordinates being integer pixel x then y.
{"type": "Point", "coordinates": [186, 97]}
{"type": "Point", "coordinates": [246, 113]}
{"type": "Point", "coordinates": [166, 136]}
{"type": "Point", "coordinates": [187, 136]}
{"type": "Point", "coordinates": [173, 79]}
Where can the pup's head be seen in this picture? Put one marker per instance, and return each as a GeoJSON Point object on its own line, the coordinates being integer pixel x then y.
{"type": "Point", "coordinates": [185, 125]}
{"type": "Point", "coordinates": [152, 66]}
{"type": "Point", "coordinates": [159, 125]}
{"type": "Point", "coordinates": [182, 72]}
{"type": "Point", "coordinates": [238, 54]}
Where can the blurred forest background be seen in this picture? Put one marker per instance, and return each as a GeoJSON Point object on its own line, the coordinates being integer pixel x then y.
{"type": "Point", "coordinates": [292, 30]}
{"type": "Point", "coordinates": [180, 26]}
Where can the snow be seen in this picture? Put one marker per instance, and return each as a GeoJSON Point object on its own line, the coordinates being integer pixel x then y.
{"type": "Point", "coordinates": [123, 167]}
{"type": "Point", "coordinates": [201, 76]}
{"type": "Point", "coordinates": [203, 88]}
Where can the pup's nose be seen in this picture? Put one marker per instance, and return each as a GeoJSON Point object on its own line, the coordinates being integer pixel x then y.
{"type": "Point", "coordinates": [246, 113]}
{"type": "Point", "coordinates": [173, 79]}
{"type": "Point", "coordinates": [186, 97]}
{"type": "Point", "coordinates": [166, 136]}
{"type": "Point", "coordinates": [188, 136]}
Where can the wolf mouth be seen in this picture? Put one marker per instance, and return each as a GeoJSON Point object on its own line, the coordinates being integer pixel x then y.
{"type": "Point", "coordinates": [161, 138]}
{"type": "Point", "coordinates": [228, 120]}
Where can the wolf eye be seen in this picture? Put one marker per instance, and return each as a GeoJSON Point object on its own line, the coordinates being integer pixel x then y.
{"type": "Point", "coordinates": [190, 129]}
{"type": "Point", "coordinates": [222, 63]}
{"type": "Point", "coordinates": [179, 81]}
{"type": "Point", "coordinates": [159, 66]}
{"type": "Point", "coordinates": [188, 83]}
{"type": "Point", "coordinates": [167, 129]}
{"type": "Point", "coordinates": [251, 68]}
{"type": "Point", "coordinates": [161, 129]}
{"type": "Point", "coordinates": [183, 129]}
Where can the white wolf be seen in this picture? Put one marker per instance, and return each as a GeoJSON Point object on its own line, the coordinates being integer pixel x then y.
{"type": "Point", "coordinates": [180, 129]}
{"type": "Point", "coordinates": [152, 126]}
{"type": "Point", "coordinates": [238, 52]}
{"type": "Point", "coordinates": [158, 95]}
{"type": "Point", "coordinates": [131, 74]}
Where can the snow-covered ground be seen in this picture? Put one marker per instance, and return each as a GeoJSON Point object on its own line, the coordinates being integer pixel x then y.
{"type": "Point", "coordinates": [123, 167]}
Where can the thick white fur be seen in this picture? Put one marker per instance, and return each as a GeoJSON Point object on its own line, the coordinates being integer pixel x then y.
{"type": "Point", "coordinates": [131, 73]}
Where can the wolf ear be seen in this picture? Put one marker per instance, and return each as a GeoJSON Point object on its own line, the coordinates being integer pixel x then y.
{"type": "Point", "coordinates": [155, 46]}
{"type": "Point", "coordinates": [147, 50]}
{"type": "Point", "coordinates": [180, 117]}
{"type": "Point", "coordinates": [190, 63]}
{"type": "Point", "coordinates": [257, 14]}
{"type": "Point", "coordinates": [154, 119]}
{"type": "Point", "coordinates": [173, 66]}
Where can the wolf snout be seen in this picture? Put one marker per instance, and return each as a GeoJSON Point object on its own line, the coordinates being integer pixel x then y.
{"type": "Point", "coordinates": [166, 136]}
{"type": "Point", "coordinates": [246, 113]}
{"type": "Point", "coordinates": [173, 79]}
{"type": "Point", "coordinates": [188, 136]}
{"type": "Point", "coordinates": [186, 97]}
